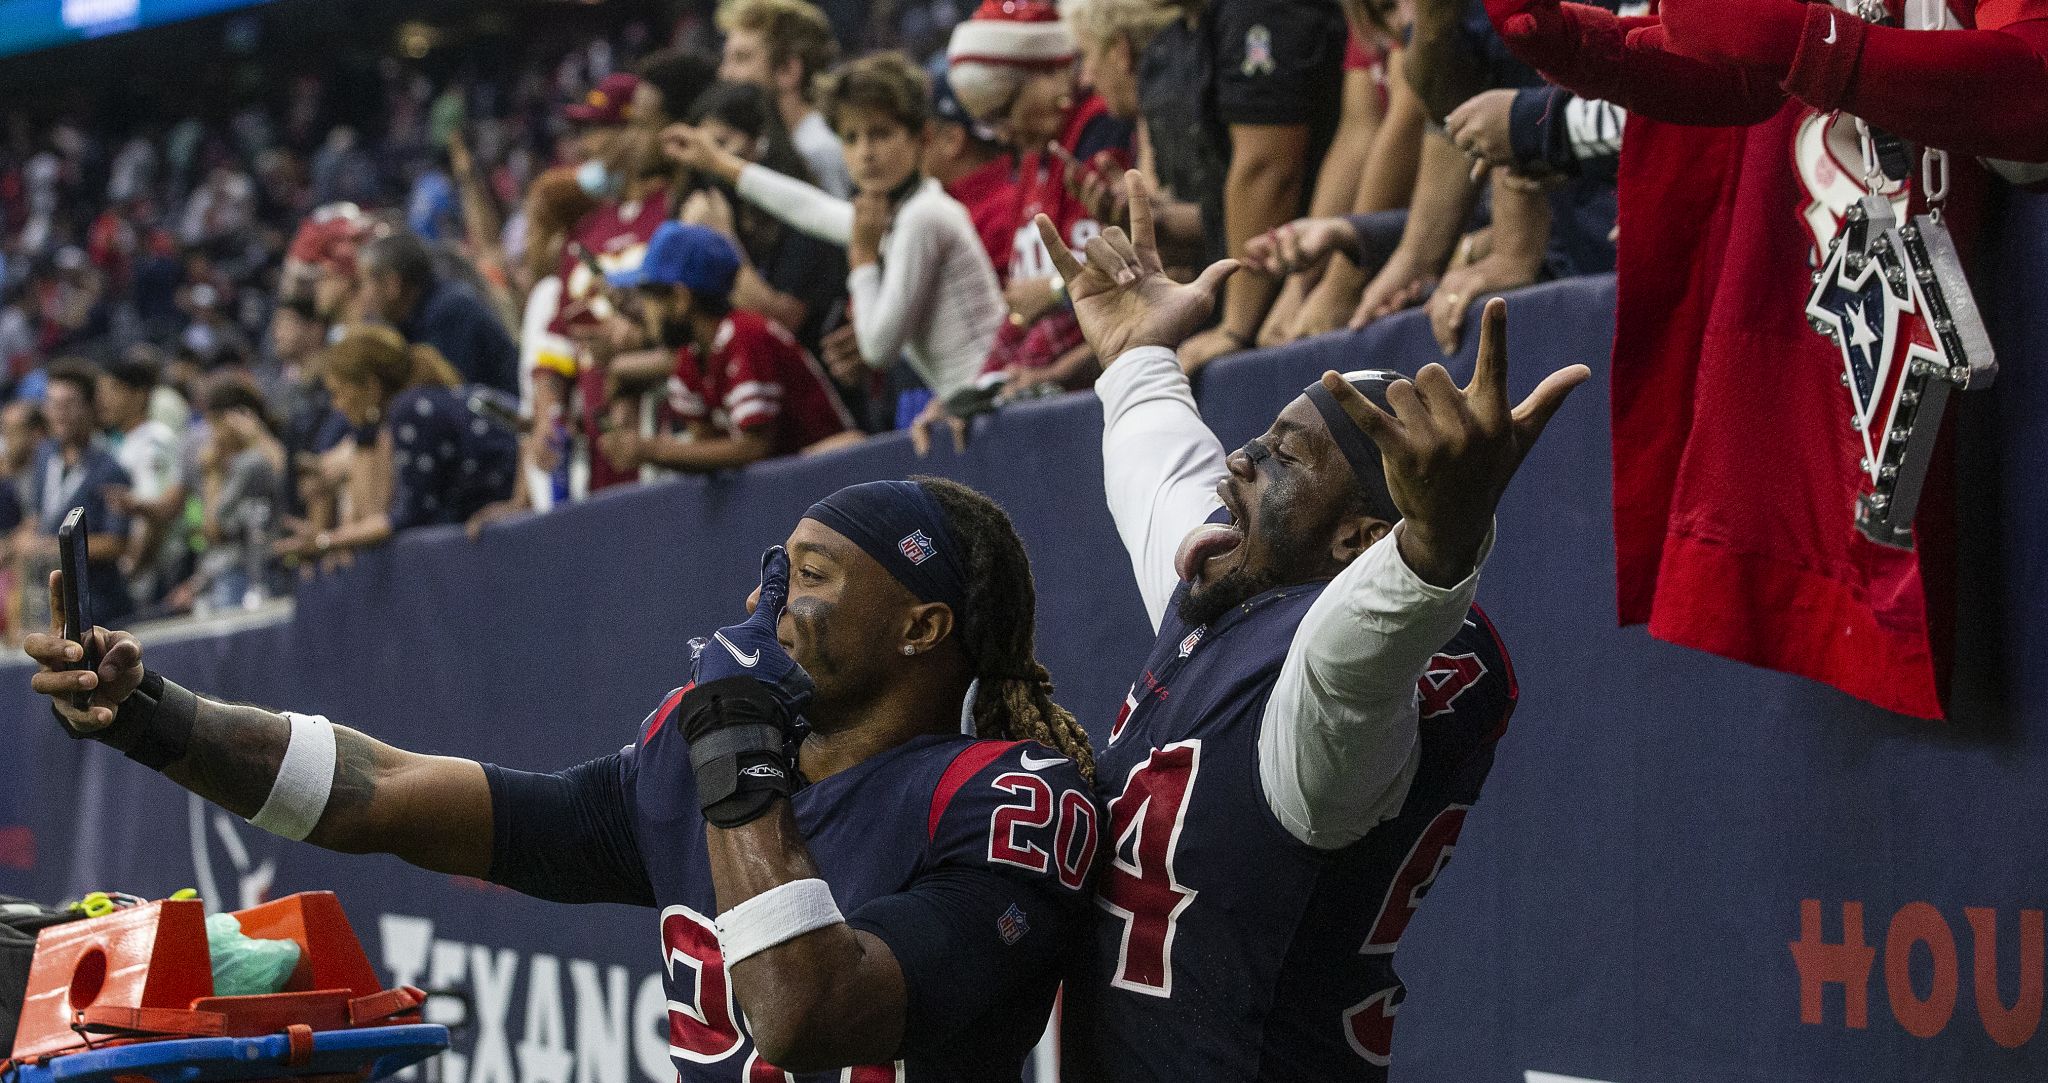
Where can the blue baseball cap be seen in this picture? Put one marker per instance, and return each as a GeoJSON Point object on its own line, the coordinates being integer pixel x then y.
{"type": "Point", "coordinates": [681, 254]}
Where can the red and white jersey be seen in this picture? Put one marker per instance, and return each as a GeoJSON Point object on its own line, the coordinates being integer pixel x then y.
{"type": "Point", "coordinates": [756, 378]}
{"type": "Point", "coordinates": [1042, 187]}
{"type": "Point", "coordinates": [616, 234]}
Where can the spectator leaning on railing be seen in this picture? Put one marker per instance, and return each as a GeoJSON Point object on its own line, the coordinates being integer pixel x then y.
{"type": "Point", "coordinates": [72, 468]}
{"type": "Point", "coordinates": [418, 440]}
{"type": "Point", "coordinates": [400, 286]}
{"type": "Point", "coordinates": [786, 275]}
{"type": "Point", "coordinates": [1242, 98]}
{"type": "Point", "coordinates": [1016, 68]}
{"type": "Point", "coordinates": [921, 283]}
{"type": "Point", "coordinates": [739, 387]}
{"type": "Point", "coordinates": [241, 500]}
{"type": "Point", "coordinates": [154, 499]}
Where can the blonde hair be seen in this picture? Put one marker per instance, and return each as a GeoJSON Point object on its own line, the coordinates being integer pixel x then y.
{"type": "Point", "coordinates": [376, 354]}
{"type": "Point", "coordinates": [1099, 22]}
{"type": "Point", "coordinates": [789, 28]}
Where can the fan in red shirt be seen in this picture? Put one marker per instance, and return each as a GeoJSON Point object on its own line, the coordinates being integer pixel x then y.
{"type": "Point", "coordinates": [627, 172]}
{"type": "Point", "coordinates": [1735, 479]}
{"type": "Point", "coordinates": [743, 390]}
{"type": "Point", "coordinates": [969, 159]}
{"type": "Point", "coordinates": [1014, 66]}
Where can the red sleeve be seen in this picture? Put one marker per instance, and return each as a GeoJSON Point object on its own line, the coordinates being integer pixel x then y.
{"type": "Point", "coordinates": [686, 390]}
{"type": "Point", "coordinates": [754, 382]}
{"type": "Point", "coordinates": [1933, 86]}
{"type": "Point", "coordinates": [1597, 55]}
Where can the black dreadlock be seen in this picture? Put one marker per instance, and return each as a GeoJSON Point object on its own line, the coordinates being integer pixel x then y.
{"type": "Point", "coordinates": [1015, 699]}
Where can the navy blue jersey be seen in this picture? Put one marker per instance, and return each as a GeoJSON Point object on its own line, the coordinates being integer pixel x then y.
{"type": "Point", "coordinates": [971, 859]}
{"type": "Point", "coordinates": [1227, 949]}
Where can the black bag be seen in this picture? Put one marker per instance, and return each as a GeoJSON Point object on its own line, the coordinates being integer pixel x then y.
{"type": "Point", "coordinates": [20, 921]}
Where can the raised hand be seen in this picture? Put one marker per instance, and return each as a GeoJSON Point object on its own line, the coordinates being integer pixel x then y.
{"type": "Point", "coordinates": [1450, 452]}
{"type": "Point", "coordinates": [1122, 297]}
{"type": "Point", "coordinates": [741, 712]}
{"type": "Point", "coordinates": [694, 148]}
{"type": "Point", "coordinates": [751, 649]}
{"type": "Point", "coordinates": [120, 669]}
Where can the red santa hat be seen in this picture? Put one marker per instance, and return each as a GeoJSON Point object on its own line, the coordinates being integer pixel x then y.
{"type": "Point", "coordinates": [992, 52]}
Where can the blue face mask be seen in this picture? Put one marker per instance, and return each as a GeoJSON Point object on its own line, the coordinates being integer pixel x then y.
{"type": "Point", "coordinates": [596, 180]}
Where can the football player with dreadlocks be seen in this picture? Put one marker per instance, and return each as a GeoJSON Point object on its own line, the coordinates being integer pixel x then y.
{"type": "Point", "coordinates": [853, 885]}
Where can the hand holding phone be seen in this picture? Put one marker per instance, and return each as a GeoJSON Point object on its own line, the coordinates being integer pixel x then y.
{"type": "Point", "coordinates": [71, 559]}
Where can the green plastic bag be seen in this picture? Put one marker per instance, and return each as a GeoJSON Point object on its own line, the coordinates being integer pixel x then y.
{"type": "Point", "coordinates": [243, 965]}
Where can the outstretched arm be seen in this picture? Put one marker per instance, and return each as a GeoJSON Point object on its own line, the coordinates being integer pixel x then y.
{"type": "Point", "coordinates": [1630, 62]}
{"type": "Point", "coordinates": [1160, 461]}
{"type": "Point", "coordinates": [433, 811]}
{"type": "Point", "coordinates": [1927, 86]}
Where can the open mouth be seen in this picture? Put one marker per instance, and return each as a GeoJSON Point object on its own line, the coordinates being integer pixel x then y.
{"type": "Point", "coordinates": [1208, 543]}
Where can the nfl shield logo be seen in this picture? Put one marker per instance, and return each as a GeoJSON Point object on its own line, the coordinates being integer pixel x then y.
{"type": "Point", "coordinates": [916, 547]}
{"type": "Point", "coordinates": [1012, 926]}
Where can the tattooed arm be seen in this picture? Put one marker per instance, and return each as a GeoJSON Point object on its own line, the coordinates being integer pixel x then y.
{"type": "Point", "coordinates": [433, 811]}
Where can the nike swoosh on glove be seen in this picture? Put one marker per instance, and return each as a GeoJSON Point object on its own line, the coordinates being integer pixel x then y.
{"type": "Point", "coordinates": [740, 714]}
{"type": "Point", "coordinates": [750, 649]}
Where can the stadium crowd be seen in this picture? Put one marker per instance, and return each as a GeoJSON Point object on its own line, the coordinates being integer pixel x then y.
{"type": "Point", "coordinates": [250, 344]}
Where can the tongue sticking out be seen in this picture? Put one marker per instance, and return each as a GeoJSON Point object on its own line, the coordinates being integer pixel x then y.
{"type": "Point", "coordinates": [1203, 544]}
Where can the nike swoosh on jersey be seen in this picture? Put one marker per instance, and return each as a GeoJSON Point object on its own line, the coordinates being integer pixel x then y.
{"type": "Point", "coordinates": [747, 660]}
{"type": "Point", "coordinates": [1830, 39]}
{"type": "Point", "coordinates": [1033, 763]}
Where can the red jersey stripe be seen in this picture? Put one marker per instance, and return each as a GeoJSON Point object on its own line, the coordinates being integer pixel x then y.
{"type": "Point", "coordinates": [966, 765]}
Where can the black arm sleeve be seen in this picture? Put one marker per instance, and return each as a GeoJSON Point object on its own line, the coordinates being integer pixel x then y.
{"type": "Point", "coordinates": [568, 836]}
{"type": "Point", "coordinates": [978, 948]}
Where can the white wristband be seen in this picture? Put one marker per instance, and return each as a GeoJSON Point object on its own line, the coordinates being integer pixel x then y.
{"type": "Point", "coordinates": [304, 781]}
{"type": "Point", "coordinates": [780, 913]}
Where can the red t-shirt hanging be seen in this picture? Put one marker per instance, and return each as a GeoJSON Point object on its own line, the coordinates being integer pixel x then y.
{"type": "Point", "coordinates": [1735, 469]}
{"type": "Point", "coordinates": [757, 378]}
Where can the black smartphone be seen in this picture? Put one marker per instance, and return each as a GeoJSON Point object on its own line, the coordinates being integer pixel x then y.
{"type": "Point", "coordinates": [71, 561]}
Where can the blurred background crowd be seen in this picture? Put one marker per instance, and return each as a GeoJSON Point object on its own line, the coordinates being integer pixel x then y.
{"type": "Point", "coordinates": [284, 283]}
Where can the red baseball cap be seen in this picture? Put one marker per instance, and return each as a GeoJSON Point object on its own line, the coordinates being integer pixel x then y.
{"type": "Point", "coordinates": [607, 103]}
{"type": "Point", "coordinates": [330, 236]}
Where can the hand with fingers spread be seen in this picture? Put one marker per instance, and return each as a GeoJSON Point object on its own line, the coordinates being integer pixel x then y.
{"type": "Point", "coordinates": [119, 672]}
{"type": "Point", "coordinates": [1449, 452]}
{"type": "Point", "coordinates": [1122, 297]}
